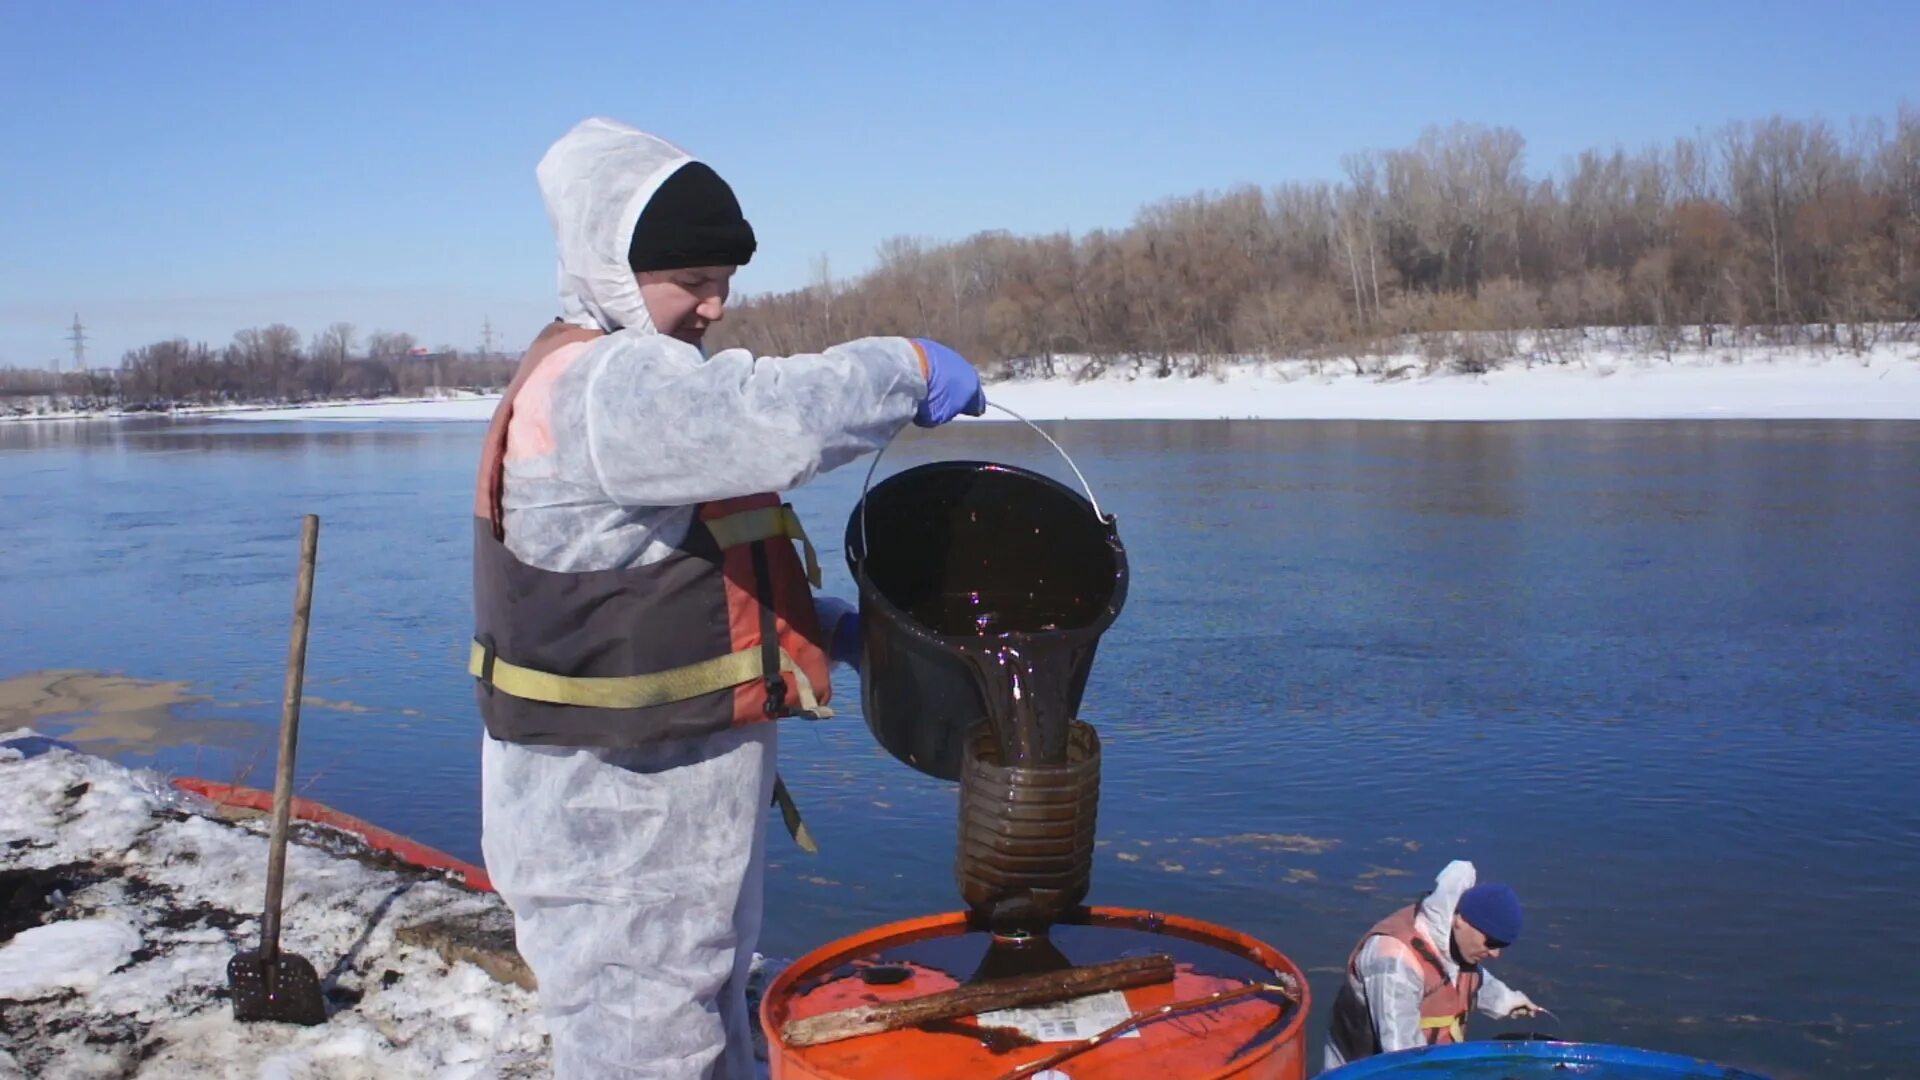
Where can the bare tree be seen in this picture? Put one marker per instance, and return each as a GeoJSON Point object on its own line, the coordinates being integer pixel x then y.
{"type": "Point", "coordinates": [327, 358]}
{"type": "Point", "coordinates": [1759, 228]}
{"type": "Point", "coordinates": [389, 348]}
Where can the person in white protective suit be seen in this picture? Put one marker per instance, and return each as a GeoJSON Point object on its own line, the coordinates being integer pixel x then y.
{"type": "Point", "coordinates": [1417, 974]}
{"type": "Point", "coordinates": [641, 606]}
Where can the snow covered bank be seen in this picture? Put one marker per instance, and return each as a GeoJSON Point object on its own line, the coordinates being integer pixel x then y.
{"type": "Point", "coordinates": [1781, 384]}
{"type": "Point", "coordinates": [462, 409]}
{"type": "Point", "coordinates": [1608, 389]}
{"type": "Point", "coordinates": [121, 902]}
{"type": "Point", "coordinates": [44, 409]}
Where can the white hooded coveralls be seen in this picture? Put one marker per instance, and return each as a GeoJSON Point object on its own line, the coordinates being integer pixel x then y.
{"type": "Point", "coordinates": [635, 874]}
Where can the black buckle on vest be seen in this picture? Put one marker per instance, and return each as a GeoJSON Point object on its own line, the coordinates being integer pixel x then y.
{"type": "Point", "coordinates": [776, 705]}
{"type": "Point", "coordinates": [486, 662]}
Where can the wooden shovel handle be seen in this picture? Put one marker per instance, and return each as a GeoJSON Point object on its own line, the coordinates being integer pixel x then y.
{"type": "Point", "coordinates": [289, 738]}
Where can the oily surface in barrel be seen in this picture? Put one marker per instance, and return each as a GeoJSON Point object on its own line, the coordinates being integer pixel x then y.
{"type": "Point", "coordinates": [1255, 1037]}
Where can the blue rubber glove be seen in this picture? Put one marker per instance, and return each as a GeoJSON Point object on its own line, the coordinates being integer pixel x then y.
{"type": "Point", "coordinates": [841, 621]}
{"type": "Point", "coordinates": [953, 387]}
{"type": "Point", "coordinates": [845, 646]}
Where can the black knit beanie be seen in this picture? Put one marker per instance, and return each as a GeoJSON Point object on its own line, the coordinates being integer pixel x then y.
{"type": "Point", "coordinates": [693, 220]}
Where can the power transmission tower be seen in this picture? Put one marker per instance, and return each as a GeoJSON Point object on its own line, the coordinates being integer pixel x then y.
{"type": "Point", "coordinates": [79, 339]}
{"type": "Point", "coordinates": [486, 339]}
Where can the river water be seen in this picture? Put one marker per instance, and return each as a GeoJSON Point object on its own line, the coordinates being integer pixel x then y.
{"type": "Point", "coordinates": [1664, 678]}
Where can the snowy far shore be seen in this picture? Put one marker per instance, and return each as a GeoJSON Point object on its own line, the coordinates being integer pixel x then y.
{"type": "Point", "coordinates": [1611, 381]}
{"type": "Point", "coordinates": [44, 410]}
{"type": "Point", "coordinates": [1764, 384]}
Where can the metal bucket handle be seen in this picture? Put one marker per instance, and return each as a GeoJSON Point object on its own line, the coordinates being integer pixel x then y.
{"type": "Point", "coordinates": [866, 548]}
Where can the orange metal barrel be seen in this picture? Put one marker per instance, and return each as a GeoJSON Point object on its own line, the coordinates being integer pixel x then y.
{"type": "Point", "coordinates": [1249, 1038]}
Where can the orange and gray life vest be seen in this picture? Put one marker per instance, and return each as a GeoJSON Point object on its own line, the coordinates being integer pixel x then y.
{"type": "Point", "coordinates": [720, 633]}
{"type": "Point", "coordinates": [1444, 1004]}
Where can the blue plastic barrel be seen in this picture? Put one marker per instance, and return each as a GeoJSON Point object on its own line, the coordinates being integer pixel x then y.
{"type": "Point", "coordinates": [1498, 1060]}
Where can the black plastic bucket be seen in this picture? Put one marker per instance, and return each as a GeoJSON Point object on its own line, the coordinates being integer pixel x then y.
{"type": "Point", "coordinates": [983, 599]}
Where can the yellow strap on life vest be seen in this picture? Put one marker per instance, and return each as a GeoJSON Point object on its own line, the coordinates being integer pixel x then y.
{"type": "Point", "coordinates": [749, 526]}
{"type": "Point", "coordinates": [810, 706]}
{"type": "Point", "coordinates": [1450, 1023]}
{"type": "Point", "coordinates": [638, 691]}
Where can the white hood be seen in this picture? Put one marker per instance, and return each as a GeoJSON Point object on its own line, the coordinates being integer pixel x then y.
{"type": "Point", "coordinates": [596, 180]}
{"type": "Point", "coordinates": [1437, 907]}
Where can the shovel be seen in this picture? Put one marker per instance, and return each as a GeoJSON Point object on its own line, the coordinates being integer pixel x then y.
{"type": "Point", "coordinates": [270, 984]}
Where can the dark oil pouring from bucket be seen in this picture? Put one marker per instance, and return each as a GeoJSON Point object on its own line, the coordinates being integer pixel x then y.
{"type": "Point", "coordinates": [997, 585]}
{"type": "Point", "coordinates": [984, 592]}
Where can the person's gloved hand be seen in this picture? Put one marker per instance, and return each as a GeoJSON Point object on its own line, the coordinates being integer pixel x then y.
{"type": "Point", "coordinates": [953, 387]}
{"type": "Point", "coordinates": [845, 646]}
{"type": "Point", "coordinates": [841, 622]}
{"type": "Point", "coordinates": [1525, 1009]}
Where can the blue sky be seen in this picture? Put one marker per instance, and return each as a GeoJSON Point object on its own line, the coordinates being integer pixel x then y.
{"type": "Point", "coordinates": [195, 168]}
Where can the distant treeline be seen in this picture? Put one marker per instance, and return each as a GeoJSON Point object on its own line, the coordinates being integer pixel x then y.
{"type": "Point", "coordinates": [265, 364]}
{"type": "Point", "coordinates": [1783, 230]}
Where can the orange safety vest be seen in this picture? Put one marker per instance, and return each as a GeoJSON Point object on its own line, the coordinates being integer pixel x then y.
{"type": "Point", "coordinates": [1444, 1004]}
{"type": "Point", "coordinates": [720, 633]}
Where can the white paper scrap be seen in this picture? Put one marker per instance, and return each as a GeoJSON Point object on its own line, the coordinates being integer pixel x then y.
{"type": "Point", "coordinates": [1066, 1021]}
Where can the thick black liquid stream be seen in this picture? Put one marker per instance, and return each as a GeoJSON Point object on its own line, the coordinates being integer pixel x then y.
{"type": "Point", "coordinates": [1029, 670]}
{"type": "Point", "coordinates": [1001, 581]}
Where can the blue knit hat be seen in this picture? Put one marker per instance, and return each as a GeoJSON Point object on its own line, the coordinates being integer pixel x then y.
{"type": "Point", "coordinates": [1494, 910]}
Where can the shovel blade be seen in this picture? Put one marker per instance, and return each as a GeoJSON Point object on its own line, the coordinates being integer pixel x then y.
{"type": "Point", "coordinates": [284, 989]}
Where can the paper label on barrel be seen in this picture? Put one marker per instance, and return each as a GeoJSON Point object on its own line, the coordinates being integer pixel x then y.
{"type": "Point", "coordinates": [1066, 1021]}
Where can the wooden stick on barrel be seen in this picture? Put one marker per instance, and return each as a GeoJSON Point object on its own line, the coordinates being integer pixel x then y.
{"type": "Point", "coordinates": [975, 998]}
